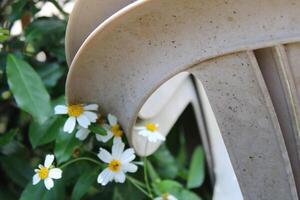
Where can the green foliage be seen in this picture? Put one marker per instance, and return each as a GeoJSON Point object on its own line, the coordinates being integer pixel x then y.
{"type": "Point", "coordinates": [197, 169]}
{"type": "Point", "coordinates": [176, 189]}
{"type": "Point", "coordinates": [4, 34]}
{"type": "Point", "coordinates": [28, 89]}
{"type": "Point", "coordinates": [38, 192]}
{"type": "Point", "coordinates": [64, 146]}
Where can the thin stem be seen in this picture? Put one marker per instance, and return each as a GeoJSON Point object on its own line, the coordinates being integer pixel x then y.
{"type": "Point", "coordinates": [146, 177]}
{"type": "Point", "coordinates": [80, 159]}
{"type": "Point", "coordinates": [133, 181]}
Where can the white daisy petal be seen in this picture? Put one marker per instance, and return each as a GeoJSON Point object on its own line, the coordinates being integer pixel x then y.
{"type": "Point", "coordinates": [91, 116]}
{"type": "Point", "coordinates": [104, 155]}
{"type": "Point", "coordinates": [171, 197]}
{"type": "Point", "coordinates": [55, 173]}
{"type": "Point", "coordinates": [70, 125]}
{"type": "Point", "coordinates": [144, 133]}
{"type": "Point", "coordinates": [93, 107]}
{"type": "Point", "coordinates": [127, 156]}
{"type": "Point", "coordinates": [82, 133]}
{"type": "Point", "coordinates": [35, 179]}
{"type": "Point", "coordinates": [117, 150]}
{"type": "Point", "coordinates": [129, 167]}
{"type": "Point", "coordinates": [49, 160]}
{"type": "Point", "coordinates": [105, 176]}
{"type": "Point", "coordinates": [117, 139]}
{"type": "Point", "coordinates": [48, 183]}
{"type": "Point", "coordinates": [139, 128]}
{"type": "Point", "coordinates": [83, 121]}
{"type": "Point", "coordinates": [60, 109]}
{"type": "Point", "coordinates": [120, 177]}
{"type": "Point", "coordinates": [104, 138]}
{"type": "Point", "coordinates": [112, 119]}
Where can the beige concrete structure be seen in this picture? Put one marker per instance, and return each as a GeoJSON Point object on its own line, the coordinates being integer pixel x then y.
{"type": "Point", "coordinates": [245, 53]}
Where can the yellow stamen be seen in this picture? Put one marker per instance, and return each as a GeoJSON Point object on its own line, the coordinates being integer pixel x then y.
{"type": "Point", "coordinates": [43, 172]}
{"type": "Point", "coordinates": [75, 110]}
{"type": "Point", "coordinates": [116, 130]}
{"type": "Point", "coordinates": [165, 196]}
{"type": "Point", "coordinates": [151, 127]}
{"type": "Point", "coordinates": [114, 165]}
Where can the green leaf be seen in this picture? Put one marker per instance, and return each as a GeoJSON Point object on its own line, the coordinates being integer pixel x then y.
{"type": "Point", "coordinates": [39, 191]}
{"type": "Point", "coordinates": [28, 89]}
{"type": "Point", "coordinates": [127, 191]}
{"type": "Point", "coordinates": [17, 168]}
{"type": "Point", "coordinates": [50, 74]}
{"type": "Point", "coordinates": [98, 129]}
{"type": "Point", "coordinates": [197, 169]}
{"type": "Point", "coordinates": [176, 189]}
{"type": "Point", "coordinates": [162, 158]}
{"type": "Point", "coordinates": [64, 146]}
{"type": "Point", "coordinates": [40, 134]}
{"type": "Point", "coordinates": [85, 181]}
{"type": "Point", "coordinates": [4, 34]}
{"type": "Point", "coordinates": [7, 137]}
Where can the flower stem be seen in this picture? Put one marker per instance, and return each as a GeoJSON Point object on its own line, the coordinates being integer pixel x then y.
{"type": "Point", "coordinates": [80, 159]}
{"type": "Point", "coordinates": [138, 186]}
{"type": "Point", "coordinates": [146, 177]}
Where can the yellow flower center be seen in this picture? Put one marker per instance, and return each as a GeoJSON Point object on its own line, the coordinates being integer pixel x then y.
{"type": "Point", "coordinates": [151, 127]}
{"type": "Point", "coordinates": [114, 165]}
{"type": "Point", "coordinates": [43, 172]}
{"type": "Point", "coordinates": [116, 130]}
{"type": "Point", "coordinates": [75, 110]}
{"type": "Point", "coordinates": [165, 196]}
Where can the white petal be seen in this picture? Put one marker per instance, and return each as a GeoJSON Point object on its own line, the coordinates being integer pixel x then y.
{"type": "Point", "coordinates": [171, 197]}
{"type": "Point", "coordinates": [139, 128]}
{"type": "Point", "coordinates": [48, 183]}
{"type": "Point", "coordinates": [104, 138]}
{"type": "Point", "coordinates": [49, 160]}
{"type": "Point", "coordinates": [55, 173]}
{"type": "Point", "coordinates": [60, 109]}
{"type": "Point", "coordinates": [82, 133]}
{"type": "Point", "coordinates": [129, 167]}
{"type": "Point", "coordinates": [91, 116]}
{"type": "Point", "coordinates": [104, 155]}
{"type": "Point", "coordinates": [83, 121]}
{"type": "Point", "coordinates": [117, 150]}
{"type": "Point", "coordinates": [35, 179]}
{"type": "Point", "coordinates": [127, 156]}
{"type": "Point", "coordinates": [91, 107]}
{"type": "Point", "coordinates": [105, 176]}
{"type": "Point", "coordinates": [120, 177]}
{"type": "Point", "coordinates": [70, 125]}
{"type": "Point", "coordinates": [112, 119]}
{"type": "Point", "coordinates": [117, 139]}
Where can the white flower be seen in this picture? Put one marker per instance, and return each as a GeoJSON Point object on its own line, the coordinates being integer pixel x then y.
{"type": "Point", "coordinates": [166, 196]}
{"type": "Point", "coordinates": [47, 172]}
{"type": "Point", "coordinates": [82, 133]}
{"type": "Point", "coordinates": [83, 115]}
{"type": "Point", "coordinates": [113, 129]}
{"type": "Point", "coordinates": [150, 131]}
{"type": "Point", "coordinates": [119, 163]}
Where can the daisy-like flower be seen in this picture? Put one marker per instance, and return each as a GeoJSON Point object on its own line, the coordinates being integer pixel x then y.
{"type": "Point", "coordinates": [113, 129]}
{"type": "Point", "coordinates": [150, 131]}
{"type": "Point", "coordinates": [47, 172]}
{"type": "Point", "coordinates": [83, 114]}
{"type": "Point", "coordinates": [166, 196]}
{"type": "Point", "coordinates": [118, 163]}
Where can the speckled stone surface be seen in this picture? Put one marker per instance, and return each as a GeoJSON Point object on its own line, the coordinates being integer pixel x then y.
{"type": "Point", "coordinates": [133, 53]}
